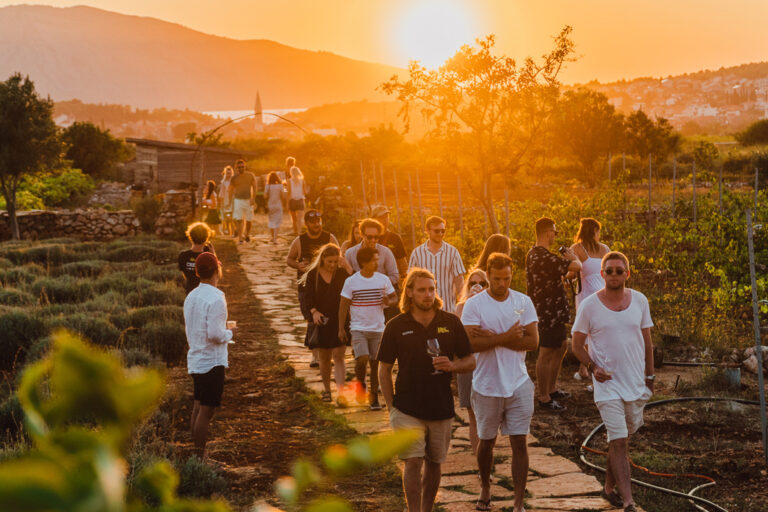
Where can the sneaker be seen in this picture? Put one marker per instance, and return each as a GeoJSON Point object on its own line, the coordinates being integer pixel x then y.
{"type": "Point", "coordinates": [552, 405]}
{"type": "Point", "coordinates": [375, 405]}
{"type": "Point", "coordinates": [614, 498]}
{"type": "Point", "coordinates": [630, 508]}
{"type": "Point", "coordinates": [577, 376]}
{"type": "Point", "coordinates": [560, 395]}
{"type": "Point", "coordinates": [314, 364]}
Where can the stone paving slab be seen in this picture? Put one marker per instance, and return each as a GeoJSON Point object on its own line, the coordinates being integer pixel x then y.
{"type": "Point", "coordinates": [570, 504]}
{"type": "Point", "coordinates": [569, 484]}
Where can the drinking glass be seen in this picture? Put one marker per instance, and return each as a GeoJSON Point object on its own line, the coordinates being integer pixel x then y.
{"type": "Point", "coordinates": [433, 349]}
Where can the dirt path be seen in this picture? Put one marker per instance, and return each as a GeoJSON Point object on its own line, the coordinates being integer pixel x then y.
{"type": "Point", "coordinates": [555, 483]}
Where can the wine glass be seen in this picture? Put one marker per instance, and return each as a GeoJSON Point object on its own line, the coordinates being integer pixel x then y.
{"type": "Point", "coordinates": [433, 349]}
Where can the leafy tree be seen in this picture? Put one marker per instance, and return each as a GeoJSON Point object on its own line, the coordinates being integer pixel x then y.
{"type": "Point", "coordinates": [587, 127]}
{"type": "Point", "coordinates": [496, 109]}
{"type": "Point", "coordinates": [706, 154]}
{"type": "Point", "coordinates": [645, 137]}
{"type": "Point", "coordinates": [756, 133]}
{"type": "Point", "coordinates": [207, 139]}
{"type": "Point", "coordinates": [29, 140]}
{"type": "Point", "coordinates": [92, 149]}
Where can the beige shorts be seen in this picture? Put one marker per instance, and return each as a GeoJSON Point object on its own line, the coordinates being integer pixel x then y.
{"type": "Point", "coordinates": [242, 209]}
{"type": "Point", "coordinates": [434, 441]}
{"type": "Point", "coordinates": [621, 418]}
{"type": "Point", "coordinates": [512, 414]}
{"type": "Point", "coordinates": [366, 343]}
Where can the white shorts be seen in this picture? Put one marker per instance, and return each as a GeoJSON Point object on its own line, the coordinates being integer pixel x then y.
{"type": "Point", "coordinates": [242, 209]}
{"type": "Point", "coordinates": [513, 413]}
{"type": "Point", "coordinates": [621, 418]}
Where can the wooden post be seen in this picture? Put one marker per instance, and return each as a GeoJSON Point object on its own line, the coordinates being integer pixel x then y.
{"type": "Point", "coordinates": [410, 199]}
{"type": "Point", "coordinates": [397, 201]}
{"type": "Point", "coordinates": [375, 184]}
{"type": "Point", "coordinates": [720, 190]}
{"type": "Point", "coordinates": [383, 187]}
{"type": "Point", "coordinates": [674, 181]}
{"type": "Point", "coordinates": [623, 162]}
{"type": "Point", "coordinates": [609, 166]}
{"type": "Point", "coordinates": [757, 189]}
{"type": "Point", "coordinates": [695, 213]}
{"type": "Point", "coordinates": [650, 187]}
{"type": "Point", "coordinates": [362, 182]}
{"type": "Point", "coordinates": [506, 211]}
{"type": "Point", "coordinates": [440, 195]}
{"type": "Point", "coordinates": [758, 342]}
{"type": "Point", "coordinates": [421, 206]}
{"type": "Point", "coordinates": [461, 209]}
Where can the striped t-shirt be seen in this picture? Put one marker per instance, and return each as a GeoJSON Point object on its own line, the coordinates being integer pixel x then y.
{"type": "Point", "coordinates": [367, 294]}
{"type": "Point", "coordinates": [445, 264]}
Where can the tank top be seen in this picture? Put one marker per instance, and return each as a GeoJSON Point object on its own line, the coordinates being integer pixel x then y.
{"type": "Point", "coordinates": [591, 280]}
{"type": "Point", "coordinates": [297, 188]}
{"type": "Point", "coordinates": [309, 246]}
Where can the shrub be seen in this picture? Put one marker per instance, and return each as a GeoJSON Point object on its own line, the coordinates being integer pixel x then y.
{"type": "Point", "coordinates": [21, 275]}
{"type": "Point", "coordinates": [142, 316]}
{"type": "Point", "coordinates": [19, 330]}
{"type": "Point", "coordinates": [147, 209]}
{"type": "Point", "coordinates": [158, 294]}
{"type": "Point", "coordinates": [198, 480]}
{"type": "Point", "coordinates": [38, 349]}
{"type": "Point", "coordinates": [137, 357]}
{"type": "Point", "coordinates": [13, 297]}
{"type": "Point", "coordinates": [63, 289]}
{"type": "Point", "coordinates": [85, 268]}
{"type": "Point", "coordinates": [141, 253]}
{"type": "Point", "coordinates": [11, 415]}
{"type": "Point", "coordinates": [121, 283]}
{"type": "Point", "coordinates": [96, 329]}
{"type": "Point", "coordinates": [166, 339]}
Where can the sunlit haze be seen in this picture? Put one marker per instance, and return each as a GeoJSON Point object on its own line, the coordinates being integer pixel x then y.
{"type": "Point", "coordinates": [614, 40]}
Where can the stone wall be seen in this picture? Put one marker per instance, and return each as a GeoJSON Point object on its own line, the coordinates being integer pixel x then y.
{"type": "Point", "coordinates": [99, 224]}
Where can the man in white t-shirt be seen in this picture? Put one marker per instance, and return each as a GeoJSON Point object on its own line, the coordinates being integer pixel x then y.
{"type": "Point", "coordinates": [616, 324]}
{"type": "Point", "coordinates": [364, 296]}
{"type": "Point", "coordinates": [502, 327]}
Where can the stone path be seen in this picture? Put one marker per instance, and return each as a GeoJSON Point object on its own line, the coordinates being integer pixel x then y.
{"type": "Point", "coordinates": [554, 483]}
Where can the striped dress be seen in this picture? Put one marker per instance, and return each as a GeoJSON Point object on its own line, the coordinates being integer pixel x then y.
{"type": "Point", "coordinates": [445, 264]}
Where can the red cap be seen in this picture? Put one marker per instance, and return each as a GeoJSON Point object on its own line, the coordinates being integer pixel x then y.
{"type": "Point", "coordinates": [206, 263]}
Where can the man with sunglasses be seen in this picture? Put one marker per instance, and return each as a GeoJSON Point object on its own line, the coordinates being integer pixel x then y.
{"type": "Point", "coordinates": [443, 260]}
{"type": "Point", "coordinates": [616, 324]}
{"type": "Point", "coordinates": [544, 273]}
{"type": "Point", "coordinates": [371, 231]}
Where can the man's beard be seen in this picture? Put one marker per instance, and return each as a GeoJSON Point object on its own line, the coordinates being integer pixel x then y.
{"type": "Point", "coordinates": [314, 230]}
{"type": "Point", "coordinates": [424, 307]}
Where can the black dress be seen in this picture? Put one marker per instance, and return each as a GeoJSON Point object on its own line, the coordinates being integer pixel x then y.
{"type": "Point", "coordinates": [325, 297]}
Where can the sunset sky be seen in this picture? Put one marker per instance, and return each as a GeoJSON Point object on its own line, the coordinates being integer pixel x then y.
{"type": "Point", "coordinates": [615, 39]}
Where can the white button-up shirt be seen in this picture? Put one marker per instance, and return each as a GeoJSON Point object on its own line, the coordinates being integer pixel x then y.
{"type": "Point", "coordinates": [205, 319]}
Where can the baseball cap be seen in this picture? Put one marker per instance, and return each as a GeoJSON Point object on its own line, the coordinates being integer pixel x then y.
{"type": "Point", "coordinates": [206, 264]}
{"type": "Point", "coordinates": [312, 214]}
{"type": "Point", "coordinates": [378, 210]}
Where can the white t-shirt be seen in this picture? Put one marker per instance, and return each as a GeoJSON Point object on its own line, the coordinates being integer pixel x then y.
{"type": "Point", "coordinates": [616, 344]}
{"type": "Point", "coordinates": [367, 296]}
{"type": "Point", "coordinates": [500, 370]}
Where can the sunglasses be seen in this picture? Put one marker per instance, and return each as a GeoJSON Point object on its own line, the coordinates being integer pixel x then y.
{"type": "Point", "coordinates": [610, 270]}
{"type": "Point", "coordinates": [481, 283]}
{"type": "Point", "coordinates": [372, 237]}
{"type": "Point", "coordinates": [439, 231]}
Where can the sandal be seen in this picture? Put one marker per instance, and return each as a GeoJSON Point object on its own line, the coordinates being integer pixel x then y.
{"type": "Point", "coordinates": [483, 505]}
{"type": "Point", "coordinates": [325, 396]}
{"type": "Point", "coordinates": [614, 498]}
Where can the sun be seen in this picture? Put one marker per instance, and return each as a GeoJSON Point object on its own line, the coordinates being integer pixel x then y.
{"type": "Point", "coordinates": [431, 31]}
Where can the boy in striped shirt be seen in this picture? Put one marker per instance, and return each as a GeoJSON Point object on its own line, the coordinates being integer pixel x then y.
{"type": "Point", "coordinates": [364, 296]}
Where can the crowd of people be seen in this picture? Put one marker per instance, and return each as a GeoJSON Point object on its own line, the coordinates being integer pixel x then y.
{"type": "Point", "coordinates": [429, 315]}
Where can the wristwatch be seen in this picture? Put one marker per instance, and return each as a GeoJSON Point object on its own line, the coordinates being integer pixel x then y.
{"type": "Point", "coordinates": [650, 377]}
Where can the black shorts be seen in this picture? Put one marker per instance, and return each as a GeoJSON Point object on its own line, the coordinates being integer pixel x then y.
{"type": "Point", "coordinates": [553, 337]}
{"type": "Point", "coordinates": [296, 205]}
{"type": "Point", "coordinates": [209, 386]}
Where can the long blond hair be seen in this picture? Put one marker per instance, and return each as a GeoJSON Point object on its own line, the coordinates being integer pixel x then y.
{"type": "Point", "coordinates": [410, 280]}
{"type": "Point", "coordinates": [465, 289]}
{"type": "Point", "coordinates": [326, 251]}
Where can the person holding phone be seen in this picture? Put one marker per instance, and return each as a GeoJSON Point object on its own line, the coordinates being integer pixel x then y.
{"type": "Point", "coordinates": [323, 282]}
{"type": "Point", "coordinates": [428, 345]}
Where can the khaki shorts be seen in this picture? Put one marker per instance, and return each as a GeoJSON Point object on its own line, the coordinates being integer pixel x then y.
{"type": "Point", "coordinates": [366, 343]}
{"type": "Point", "coordinates": [434, 441]}
{"type": "Point", "coordinates": [512, 414]}
{"type": "Point", "coordinates": [621, 418]}
{"type": "Point", "coordinates": [242, 209]}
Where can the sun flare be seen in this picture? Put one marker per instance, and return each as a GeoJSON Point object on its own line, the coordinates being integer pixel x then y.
{"type": "Point", "coordinates": [431, 31]}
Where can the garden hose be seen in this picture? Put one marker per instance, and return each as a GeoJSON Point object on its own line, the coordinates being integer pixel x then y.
{"type": "Point", "coordinates": [690, 496]}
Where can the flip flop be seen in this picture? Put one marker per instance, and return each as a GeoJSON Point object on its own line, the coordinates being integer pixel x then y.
{"type": "Point", "coordinates": [483, 505]}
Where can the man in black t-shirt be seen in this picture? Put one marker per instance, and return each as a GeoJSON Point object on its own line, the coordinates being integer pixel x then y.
{"type": "Point", "coordinates": [545, 272]}
{"type": "Point", "coordinates": [199, 234]}
{"type": "Point", "coordinates": [421, 398]}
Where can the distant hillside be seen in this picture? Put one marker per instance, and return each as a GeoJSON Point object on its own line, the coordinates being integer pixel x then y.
{"type": "Point", "coordinates": [99, 56]}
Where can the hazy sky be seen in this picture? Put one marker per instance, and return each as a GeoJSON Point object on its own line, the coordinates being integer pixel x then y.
{"type": "Point", "coordinates": [614, 38]}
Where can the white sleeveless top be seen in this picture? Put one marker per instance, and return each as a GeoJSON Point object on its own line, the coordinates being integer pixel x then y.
{"type": "Point", "coordinates": [297, 188]}
{"type": "Point", "coordinates": [591, 280]}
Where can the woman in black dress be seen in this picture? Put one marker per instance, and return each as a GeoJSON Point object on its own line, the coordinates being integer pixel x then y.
{"type": "Point", "coordinates": [323, 282]}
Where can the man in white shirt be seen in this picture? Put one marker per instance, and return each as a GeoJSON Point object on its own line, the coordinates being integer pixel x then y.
{"type": "Point", "coordinates": [205, 321]}
{"type": "Point", "coordinates": [364, 296]}
{"type": "Point", "coordinates": [502, 327]}
{"type": "Point", "coordinates": [616, 324]}
{"type": "Point", "coordinates": [443, 260]}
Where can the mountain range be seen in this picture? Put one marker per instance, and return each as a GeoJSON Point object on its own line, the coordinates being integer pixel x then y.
{"type": "Point", "coordinates": [100, 56]}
